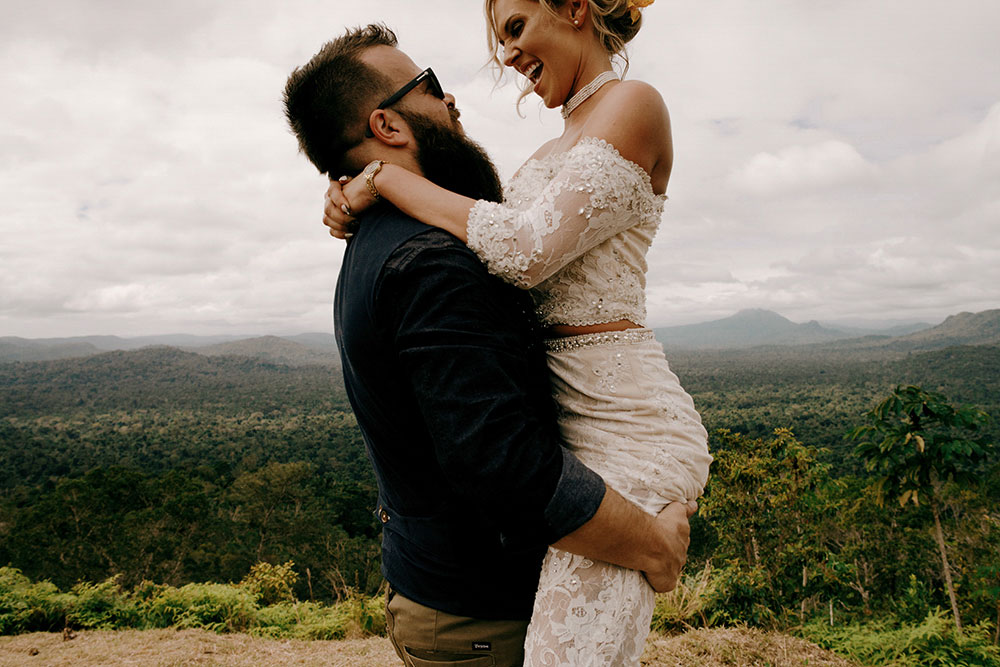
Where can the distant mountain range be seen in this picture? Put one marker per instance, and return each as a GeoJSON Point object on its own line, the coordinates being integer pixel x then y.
{"type": "Point", "coordinates": [963, 329]}
{"type": "Point", "coordinates": [756, 327]}
{"type": "Point", "coordinates": [746, 329]}
{"type": "Point", "coordinates": [13, 348]}
{"type": "Point", "coordinates": [296, 350]}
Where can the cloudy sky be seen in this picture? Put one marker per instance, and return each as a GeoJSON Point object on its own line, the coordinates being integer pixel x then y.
{"type": "Point", "coordinates": [835, 159]}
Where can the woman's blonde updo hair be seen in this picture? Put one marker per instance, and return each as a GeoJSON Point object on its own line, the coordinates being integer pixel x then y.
{"type": "Point", "coordinates": [612, 21]}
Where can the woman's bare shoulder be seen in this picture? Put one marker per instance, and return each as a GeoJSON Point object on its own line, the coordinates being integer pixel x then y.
{"type": "Point", "coordinates": [637, 91]}
{"type": "Point", "coordinates": [634, 118]}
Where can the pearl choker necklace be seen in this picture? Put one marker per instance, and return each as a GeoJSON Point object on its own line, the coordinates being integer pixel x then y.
{"type": "Point", "coordinates": [584, 93]}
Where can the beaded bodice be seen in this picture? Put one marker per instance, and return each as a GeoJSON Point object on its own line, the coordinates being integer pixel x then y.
{"type": "Point", "coordinates": [575, 228]}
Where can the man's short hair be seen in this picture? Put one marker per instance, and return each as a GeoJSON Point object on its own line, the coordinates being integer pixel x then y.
{"type": "Point", "coordinates": [327, 100]}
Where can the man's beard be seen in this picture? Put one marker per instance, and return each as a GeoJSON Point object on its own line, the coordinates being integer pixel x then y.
{"type": "Point", "coordinates": [450, 159]}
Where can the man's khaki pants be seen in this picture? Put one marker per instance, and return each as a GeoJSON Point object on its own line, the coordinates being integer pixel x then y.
{"type": "Point", "coordinates": [425, 637]}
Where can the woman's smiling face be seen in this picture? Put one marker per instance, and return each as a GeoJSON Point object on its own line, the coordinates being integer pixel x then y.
{"type": "Point", "coordinates": [539, 46]}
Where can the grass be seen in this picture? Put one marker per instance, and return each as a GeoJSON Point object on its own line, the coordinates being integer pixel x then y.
{"type": "Point", "coordinates": [737, 647]}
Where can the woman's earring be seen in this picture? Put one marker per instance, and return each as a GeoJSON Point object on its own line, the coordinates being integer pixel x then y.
{"type": "Point", "coordinates": [576, 22]}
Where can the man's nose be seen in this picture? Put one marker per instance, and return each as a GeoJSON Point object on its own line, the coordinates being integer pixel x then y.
{"type": "Point", "coordinates": [449, 100]}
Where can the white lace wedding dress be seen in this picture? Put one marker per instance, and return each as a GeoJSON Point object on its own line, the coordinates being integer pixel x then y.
{"type": "Point", "coordinates": [574, 228]}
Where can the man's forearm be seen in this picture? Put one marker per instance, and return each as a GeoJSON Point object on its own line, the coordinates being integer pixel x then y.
{"type": "Point", "coordinates": [619, 533]}
{"type": "Point", "coordinates": [623, 534]}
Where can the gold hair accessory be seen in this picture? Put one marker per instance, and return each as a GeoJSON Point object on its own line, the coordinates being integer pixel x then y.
{"type": "Point", "coordinates": [635, 5]}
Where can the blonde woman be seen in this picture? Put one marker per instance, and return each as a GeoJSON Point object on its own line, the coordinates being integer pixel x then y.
{"type": "Point", "coordinates": [574, 227]}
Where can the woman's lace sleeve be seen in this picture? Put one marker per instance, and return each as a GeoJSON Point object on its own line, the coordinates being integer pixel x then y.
{"type": "Point", "coordinates": [595, 194]}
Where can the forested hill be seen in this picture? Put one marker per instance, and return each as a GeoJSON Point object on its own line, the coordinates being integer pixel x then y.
{"type": "Point", "coordinates": [166, 378]}
{"type": "Point", "coordinates": [752, 391]}
{"type": "Point", "coordinates": [169, 466]}
{"type": "Point", "coordinates": [963, 329]}
{"type": "Point", "coordinates": [277, 350]}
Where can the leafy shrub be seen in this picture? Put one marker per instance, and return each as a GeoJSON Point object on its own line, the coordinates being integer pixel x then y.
{"type": "Point", "coordinates": [741, 595]}
{"type": "Point", "coordinates": [302, 620]}
{"type": "Point", "coordinates": [365, 615]}
{"type": "Point", "coordinates": [915, 603]}
{"type": "Point", "coordinates": [30, 607]}
{"type": "Point", "coordinates": [285, 619]}
{"type": "Point", "coordinates": [146, 591]}
{"type": "Point", "coordinates": [103, 606]}
{"type": "Point", "coordinates": [931, 642]}
{"type": "Point", "coordinates": [356, 616]}
{"type": "Point", "coordinates": [215, 607]}
{"type": "Point", "coordinates": [271, 584]}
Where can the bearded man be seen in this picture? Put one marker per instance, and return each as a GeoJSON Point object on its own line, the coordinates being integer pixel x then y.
{"type": "Point", "coordinates": [445, 369]}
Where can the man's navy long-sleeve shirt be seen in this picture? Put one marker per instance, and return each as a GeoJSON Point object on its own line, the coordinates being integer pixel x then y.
{"type": "Point", "coordinates": [446, 373]}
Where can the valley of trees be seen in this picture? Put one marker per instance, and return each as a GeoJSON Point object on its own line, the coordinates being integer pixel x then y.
{"type": "Point", "coordinates": [168, 466]}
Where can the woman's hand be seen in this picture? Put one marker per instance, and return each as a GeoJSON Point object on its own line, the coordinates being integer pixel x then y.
{"type": "Point", "coordinates": [337, 211]}
{"type": "Point", "coordinates": [345, 199]}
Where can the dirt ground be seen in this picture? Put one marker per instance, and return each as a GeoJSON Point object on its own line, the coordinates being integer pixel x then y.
{"type": "Point", "coordinates": [176, 648]}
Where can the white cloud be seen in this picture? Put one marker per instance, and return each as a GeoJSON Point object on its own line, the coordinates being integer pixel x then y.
{"type": "Point", "coordinates": [798, 168]}
{"type": "Point", "coordinates": [832, 159]}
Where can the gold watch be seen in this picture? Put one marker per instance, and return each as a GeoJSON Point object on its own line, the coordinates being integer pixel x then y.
{"type": "Point", "coordinates": [370, 172]}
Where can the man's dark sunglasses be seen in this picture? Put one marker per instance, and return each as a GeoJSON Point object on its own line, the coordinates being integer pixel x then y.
{"type": "Point", "coordinates": [433, 85]}
{"type": "Point", "coordinates": [432, 82]}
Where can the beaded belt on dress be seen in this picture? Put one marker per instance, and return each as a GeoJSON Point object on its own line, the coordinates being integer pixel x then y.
{"type": "Point", "coordinates": [604, 338]}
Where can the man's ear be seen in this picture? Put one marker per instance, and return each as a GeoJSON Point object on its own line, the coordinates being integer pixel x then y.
{"type": "Point", "coordinates": [388, 127]}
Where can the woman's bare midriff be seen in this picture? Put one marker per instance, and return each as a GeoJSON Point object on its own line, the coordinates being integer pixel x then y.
{"type": "Point", "coordinates": [563, 330]}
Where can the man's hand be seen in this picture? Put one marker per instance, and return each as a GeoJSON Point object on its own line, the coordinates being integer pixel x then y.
{"type": "Point", "coordinates": [673, 540]}
{"type": "Point", "coordinates": [622, 533]}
